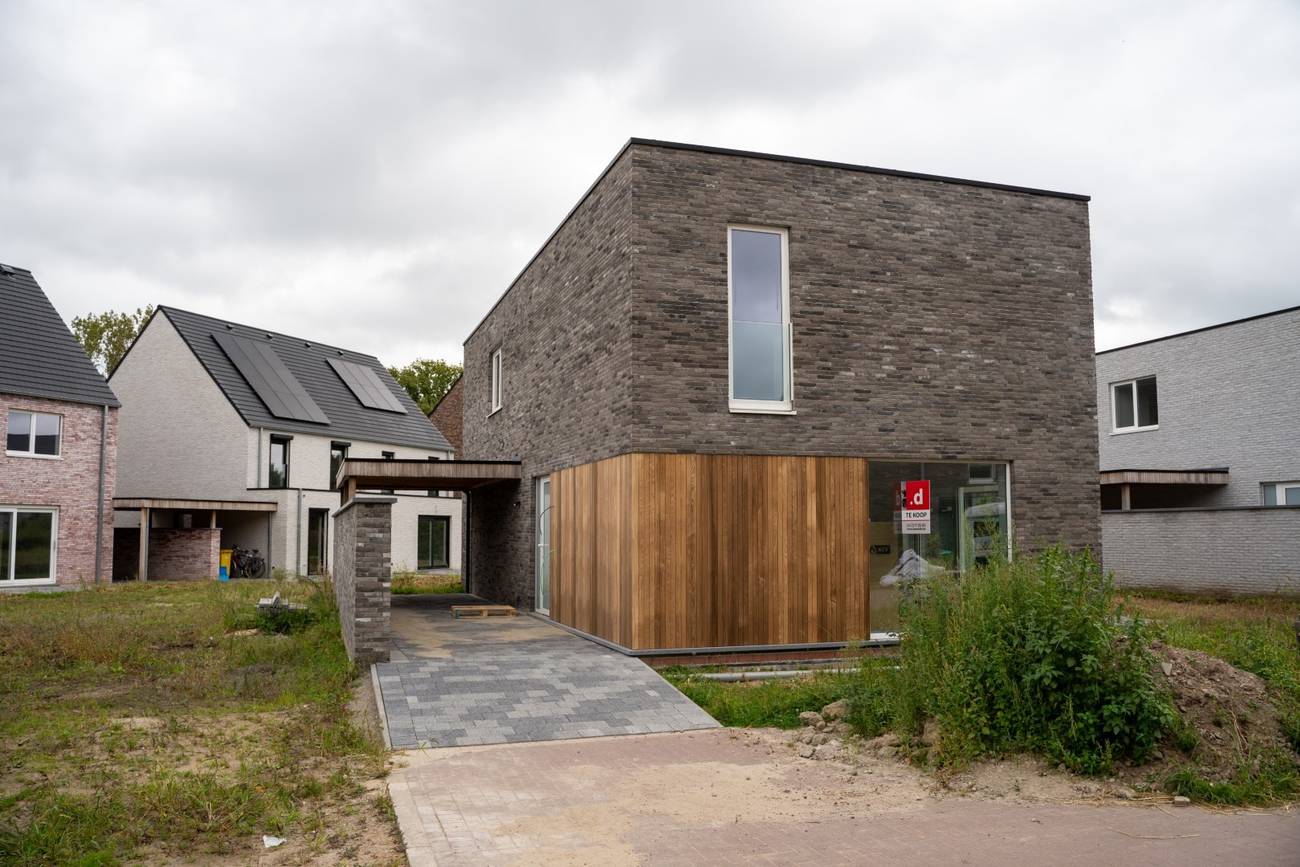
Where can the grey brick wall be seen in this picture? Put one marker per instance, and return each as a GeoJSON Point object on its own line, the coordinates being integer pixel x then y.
{"type": "Point", "coordinates": [1228, 397]}
{"type": "Point", "coordinates": [931, 321]}
{"type": "Point", "coordinates": [363, 577]}
{"type": "Point", "coordinates": [1218, 551]}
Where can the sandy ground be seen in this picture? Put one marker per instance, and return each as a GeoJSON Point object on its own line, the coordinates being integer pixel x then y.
{"type": "Point", "coordinates": [745, 796]}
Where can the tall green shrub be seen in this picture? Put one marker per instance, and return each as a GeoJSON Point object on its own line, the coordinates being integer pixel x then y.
{"type": "Point", "coordinates": [1029, 655]}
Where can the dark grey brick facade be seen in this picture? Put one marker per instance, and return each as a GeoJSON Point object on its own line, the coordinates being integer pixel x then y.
{"type": "Point", "coordinates": [931, 321]}
{"type": "Point", "coordinates": [363, 543]}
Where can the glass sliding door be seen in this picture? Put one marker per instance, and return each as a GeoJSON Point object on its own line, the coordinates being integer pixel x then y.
{"type": "Point", "coordinates": [27, 545]}
{"type": "Point", "coordinates": [544, 544]}
{"type": "Point", "coordinates": [317, 540]}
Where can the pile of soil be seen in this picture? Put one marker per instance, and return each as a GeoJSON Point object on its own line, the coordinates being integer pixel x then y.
{"type": "Point", "coordinates": [1229, 709]}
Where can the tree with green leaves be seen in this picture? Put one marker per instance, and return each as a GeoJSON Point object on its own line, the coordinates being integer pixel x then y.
{"type": "Point", "coordinates": [426, 380]}
{"type": "Point", "coordinates": [107, 336]}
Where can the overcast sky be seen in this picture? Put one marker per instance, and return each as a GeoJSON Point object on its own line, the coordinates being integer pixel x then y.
{"type": "Point", "coordinates": [373, 174]}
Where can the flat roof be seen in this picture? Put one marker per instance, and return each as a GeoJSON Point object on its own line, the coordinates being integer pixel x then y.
{"type": "Point", "coordinates": [132, 503]}
{"type": "Point", "coordinates": [1204, 328]}
{"type": "Point", "coordinates": [760, 155]}
{"type": "Point", "coordinates": [416, 475]}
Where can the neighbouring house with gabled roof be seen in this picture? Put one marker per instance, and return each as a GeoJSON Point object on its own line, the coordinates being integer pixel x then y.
{"type": "Point", "coordinates": [230, 436]}
{"type": "Point", "coordinates": [58, 419]}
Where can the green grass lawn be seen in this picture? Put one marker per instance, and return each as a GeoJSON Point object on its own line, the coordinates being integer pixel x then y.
{"type": "Point", "coordinates": [140, 723]}
{"type": "Point", "coordinates": [410, 583]}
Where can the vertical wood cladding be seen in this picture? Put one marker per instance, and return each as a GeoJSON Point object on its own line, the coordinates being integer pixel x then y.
{"type": "Point", "coordinates": [691, 550]}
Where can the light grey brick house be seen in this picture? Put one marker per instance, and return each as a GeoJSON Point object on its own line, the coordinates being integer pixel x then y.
{"type": "Point", "coordinates": [1199, 439]}
{"type": "Point", "coordinates": [719, 367]}
{"type": "Point", "coordinates": [230, 435]}
{"type": "Point", "coordinates": [58, 422]}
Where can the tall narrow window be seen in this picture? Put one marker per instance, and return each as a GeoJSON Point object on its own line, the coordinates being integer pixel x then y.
{"type": "Point", "coordinates": [759, 295]}
{"type": "Point", "coordinates": [433, 540]}
{"type": "Point", "coordinates": [496, 380]}
{"type": "Point", "coordinates": [1133, 405]}
{"type": "Point", "coordinates": [338, 454]}
{"type": "Point", "coordinates": [278, 472]}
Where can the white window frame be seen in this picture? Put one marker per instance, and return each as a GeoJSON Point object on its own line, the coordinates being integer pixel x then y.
{"type": "Point", "coordinates": [31, 436]}
{"type": "Point", "coordinates": [774, 407]}
{"type": "Point", "coordinates": [496, 377]}
{"type": "Point", "coordinates": [1135, 427]}
{"type": "Point", "coordinates": [1279, 491]}
{"type": "Point", "coordinates": [13, 545]}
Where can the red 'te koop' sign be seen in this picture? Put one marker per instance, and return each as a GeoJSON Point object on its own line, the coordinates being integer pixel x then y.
{"type": "Point", "coordinates": [914, 496]}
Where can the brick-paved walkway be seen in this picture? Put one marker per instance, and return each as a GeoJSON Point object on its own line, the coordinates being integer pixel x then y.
{"type": "Point", "coordinates": [721, 798]}
{"type": "Point", "coordinates": [510, 679]}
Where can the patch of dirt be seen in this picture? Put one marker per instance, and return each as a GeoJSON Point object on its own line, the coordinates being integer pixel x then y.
{"type": "Point", "coordinates": [1229, 709]}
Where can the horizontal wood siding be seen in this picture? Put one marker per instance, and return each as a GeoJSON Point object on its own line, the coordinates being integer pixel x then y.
{"type": "Point", "coordinates": [660, 551]}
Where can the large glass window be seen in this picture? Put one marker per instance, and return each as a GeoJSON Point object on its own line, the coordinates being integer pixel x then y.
{"type": "Point", "coordinates": [1134, 405]}
{"type": "Point", "coordinates": [433, 542]}
{"type": "Point", "coordinates": [278, 471]}
{"type": "Point", "coordinates": [969, 525]}
{"type": "Point", "coordinates": [27, 539]}
{"type": "Point", "coordinates": [33, 433]}
{"type": "Point", "coordinates": [760, 319]}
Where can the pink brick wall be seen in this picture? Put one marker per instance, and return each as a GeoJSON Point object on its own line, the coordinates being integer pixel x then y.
{"type": "Point", "coordinates": [181, 555]}
{"type": "Point", "coordinates": [70, 483]}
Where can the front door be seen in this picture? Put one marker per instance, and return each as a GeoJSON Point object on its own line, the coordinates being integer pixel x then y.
{"type": "Point", "coordinates": [544, 544]}
{"type": "Point", "coordinates": [318, 522]}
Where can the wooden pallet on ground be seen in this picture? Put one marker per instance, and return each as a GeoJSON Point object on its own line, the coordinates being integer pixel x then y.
{"type": "Point", "coordinates": [459, 611]}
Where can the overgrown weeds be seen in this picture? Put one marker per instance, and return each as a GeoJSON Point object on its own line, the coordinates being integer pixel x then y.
{"type": "Point", "coordinates": [148, 721]}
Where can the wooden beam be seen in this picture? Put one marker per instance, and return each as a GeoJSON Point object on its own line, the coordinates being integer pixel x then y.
{"type": "Point", "coordinates": [1125, 497]}
{"type": "Point", "coordinates": [1164, 477]}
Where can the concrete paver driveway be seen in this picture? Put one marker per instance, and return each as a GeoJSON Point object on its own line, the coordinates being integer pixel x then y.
{"type": "Point", "coordinates": [724, 797]}
{"type": "Point", "coordinates": [510, 679]}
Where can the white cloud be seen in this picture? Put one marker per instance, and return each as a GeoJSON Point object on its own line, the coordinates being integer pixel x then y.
{"type": "Point", "coordinates": [373, 175]}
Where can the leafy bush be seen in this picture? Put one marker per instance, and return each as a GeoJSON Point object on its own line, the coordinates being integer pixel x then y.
{"type": "Point", "coordinates": [1030, 655]}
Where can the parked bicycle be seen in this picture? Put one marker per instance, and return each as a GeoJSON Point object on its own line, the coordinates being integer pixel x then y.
{"type": "Point", "coordinates": [247, 563]}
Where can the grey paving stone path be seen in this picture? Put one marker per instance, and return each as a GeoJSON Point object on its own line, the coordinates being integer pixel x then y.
{"type": "Point", "coordinates": [513, 679]}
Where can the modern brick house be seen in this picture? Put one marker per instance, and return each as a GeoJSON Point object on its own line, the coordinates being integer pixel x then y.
{"type": "Point", "coordinates": [719, 367]}
{"type": "Point", "coordinates": [230, 436]}
{"type": "Point", "coordinates": [1200, 460]}
{"type": "Point", "coordinates": [59, 422]}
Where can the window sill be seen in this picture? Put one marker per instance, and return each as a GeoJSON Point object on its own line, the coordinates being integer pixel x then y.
{"type": "Point", "coordinates": [33, 455]}
{"type": "Point", "coordinates": [755, 410]}
{"type": "Point", "coordinates": [27, 582]}
{"type": "Point", "coordinates": [1132, 430]}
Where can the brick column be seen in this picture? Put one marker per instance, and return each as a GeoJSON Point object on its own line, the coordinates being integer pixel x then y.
{"type": "Point", "coordinates": [363, 543]}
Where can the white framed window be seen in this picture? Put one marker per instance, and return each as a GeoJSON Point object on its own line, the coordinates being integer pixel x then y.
{"type": "Point", "coordinates": [28, 545]}
{"type": "Point", "coordinates": [759, 334]}
{"type": "Point", "coordinates": [34, 434]}
{"type": "Point", "coordinates": [1281, 493]}
{"type": "Point", "coordinates": [496, 381]}
{"type": "Point", "coordinates": [1133, 405]}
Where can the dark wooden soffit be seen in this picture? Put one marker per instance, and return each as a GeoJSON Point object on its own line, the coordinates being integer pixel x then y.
{"type": "Point", "coordinates": [1216, 476]}
{"type": "Point", "coordinates": [415, 475]}
{"type": "Point", "coordinates": [133, 503]}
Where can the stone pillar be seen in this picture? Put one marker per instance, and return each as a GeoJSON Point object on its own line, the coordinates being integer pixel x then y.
{"type": "Point", "coordinates": [363, 581]}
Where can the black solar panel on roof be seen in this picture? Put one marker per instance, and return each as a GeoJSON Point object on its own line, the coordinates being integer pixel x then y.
{"type": "Point", "coordinates": [270, 379]}
{"type": "Point", "coordinates": [366, 385]}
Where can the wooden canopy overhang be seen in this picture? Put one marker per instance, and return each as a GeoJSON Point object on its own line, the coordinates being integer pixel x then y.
{"type": "Point", "coordinates": [1213, 476]}
{"type": "Point", "coordinates": [414, 475]}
